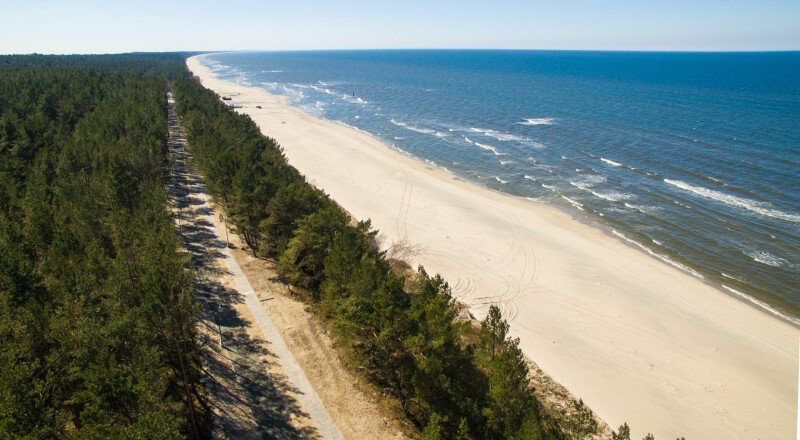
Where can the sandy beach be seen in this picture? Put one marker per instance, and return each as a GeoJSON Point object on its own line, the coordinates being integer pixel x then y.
{"type": "Point", "coordinates": [638, 340]}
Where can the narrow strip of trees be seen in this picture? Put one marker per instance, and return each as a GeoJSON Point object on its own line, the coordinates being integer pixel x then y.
{"type": "Point", "coordinates": [403, 334]}
{"type": "Point", "coordinates": [97, 318]}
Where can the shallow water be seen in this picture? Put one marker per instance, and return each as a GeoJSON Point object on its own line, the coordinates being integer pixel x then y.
{"type": "Point", "coordinates": [693, 158]}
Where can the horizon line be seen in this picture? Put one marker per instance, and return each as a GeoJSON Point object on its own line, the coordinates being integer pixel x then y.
{"type": "Point", "coordinates": [396, 49]}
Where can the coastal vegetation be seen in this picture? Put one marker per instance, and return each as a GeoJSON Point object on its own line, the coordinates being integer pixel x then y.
{"type": "Point", "coordinates": [98, 321]}
{"type": "Point", "coordinates": [400, 330]}
{"type": "Point", "coordinates": [97, 315]}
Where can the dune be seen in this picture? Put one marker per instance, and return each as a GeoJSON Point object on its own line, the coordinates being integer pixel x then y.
{"type": "Point", "coordinates": [638, 340]}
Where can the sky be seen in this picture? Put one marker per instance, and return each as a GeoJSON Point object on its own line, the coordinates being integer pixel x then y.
{"type": "Point", "coordinates": [110, 26]}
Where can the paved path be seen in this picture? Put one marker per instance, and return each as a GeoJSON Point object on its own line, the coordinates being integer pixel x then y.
{"type": "Point", "coordinates": [308, 396]}
{"type": "Point", "coordinates": [202, 214]}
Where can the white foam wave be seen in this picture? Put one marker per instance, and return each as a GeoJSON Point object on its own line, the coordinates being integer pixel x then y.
{"type": "Point", "coordinates": [490, 148]}
{"type": "Point", "coordinates": [506, 137]}
{"type": "Point", "coordinates": [611, 162]}
{"type": "Point", "coordinates": [530, 177]}
{"type": "Point", "coordinates": [485, 147]}
{"type": "Point", "coordinates": [732, 277]}
{"type": "Point", "coordinates": [272, 71]}
{"type": "Point", "coordinates": [661, 257]}
{"type": "Point", "coordinates": [412, 127]}
{"type": "Point", "coordinates": [500, 180]}
{"type": "Point", "coordinates": [645, 209]}
{"type": "Point", "coordinates": [573, 202]}
{"type": "Point", "coordinates": [580, 185]}
{"type": "Point", "coordinates": [740, 202]}
{"type": "Point", "coordinates": [592, 179]}
{"type": "Point", "coordinates": [611, 196]}
{"type": "Point", "coordinates": [506, 162]}
{"type": "Point", "coordinates": [550, 187]}
{"type": "Point", "coordinates": [533, 144]}
{"type": "Point", "coordinates": [761, 304]}
{"type": "Point", "coordinates": [323, 90]}
{"type": "Point", "coordinates": [353, 99]}
{"type": "Point", "coordinates": [766, 258]}
{"type": "Point", "coordinates": [714, 179]}
{"type": "Point", "coordinates": [538, 121]}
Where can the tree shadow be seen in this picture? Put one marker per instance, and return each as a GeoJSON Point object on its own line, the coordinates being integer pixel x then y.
{"type": "Point", "coordinates": [249, 401]}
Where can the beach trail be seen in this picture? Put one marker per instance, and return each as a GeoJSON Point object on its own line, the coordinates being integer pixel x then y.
{"type": "Point", "coordinates": [638, 340]}
{"type": "Point", "coordinates": [257, 387]}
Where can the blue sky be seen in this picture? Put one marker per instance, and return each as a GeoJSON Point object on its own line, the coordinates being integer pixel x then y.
{"type": "Point", "coordinates": [90, 26]}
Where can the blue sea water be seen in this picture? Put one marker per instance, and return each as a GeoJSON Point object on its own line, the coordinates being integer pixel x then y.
{"type": "Point", "coordinates": [694, 158]}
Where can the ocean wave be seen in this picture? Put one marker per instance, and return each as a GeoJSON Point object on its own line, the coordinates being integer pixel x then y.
{"type": "Point", "coordinates": [533, 144]}
{"type": "Point", "coordinates": [353, 99]}
{"type": "Point", "coordinates": [715, 180]}
{"type": "Point", "coordinates": [507, 162]}
{"type": "Point", "coordinates": [292, 94]}
{"type": "Point", "coordinates": [740, 202]}
{"type": "Point", "coordinates": [412, 127]}
{"type": "Point", "coordinates": [500, 136]}
{"type": "Point", "coordinates": [317, 109]}
{"type": "Point", "coordinates": [500, 180]}
{"type": "Point", "coordinates": [490, 148]}
{"type": "Point", "coordinates": [530, 178]}
{"type": "Point", "coordinates": [680, 204]}
{"type": "Point", "coordinates": [661, 257]}
{"type": "Point", "coordinates": [611, 196]}
{"type": "Point", "coordinates": [485, 147]}
{"type": "Point", "coordinates": [765, 258]}
{"type": "Point", "coordinates": [538, 121]}
{"type": "Point", "coordinates": [645, 209]}
{"type": "Point", "coordinates": [325, 90]}
{"type": "Point", "coordinates": [573, 202]}
{"type": "Point", "coordinates": [761, 304]}
{"type": "Point", "coordinates": [592, 179]}
{"type": "Point", "coordinates": [580, 185]}
{"type": "Point", "coordinates": [272, 71]}
{"type": "Point", "coordinates": [550, 187]}
{"type": "Point", "coordinates": [732, 277]}
{"type": "Point", "coordinates": [611, 162]}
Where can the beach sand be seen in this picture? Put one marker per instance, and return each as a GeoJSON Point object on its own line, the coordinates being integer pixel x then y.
{"type": "Point", "coordinates": [638, 340]}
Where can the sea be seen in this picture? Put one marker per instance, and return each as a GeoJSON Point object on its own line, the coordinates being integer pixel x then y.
{"type": "Point", "coordinates": [693, 158]}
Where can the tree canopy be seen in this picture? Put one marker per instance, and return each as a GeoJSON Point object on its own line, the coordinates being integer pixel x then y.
{"type": "Point", "coordinates": [97, 319]}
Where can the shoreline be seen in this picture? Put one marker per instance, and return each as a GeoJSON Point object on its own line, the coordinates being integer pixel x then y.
{"type": "Point", "coordinates": [638, 340]}
{"type": "Point", "coordinates": [772, 306]}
